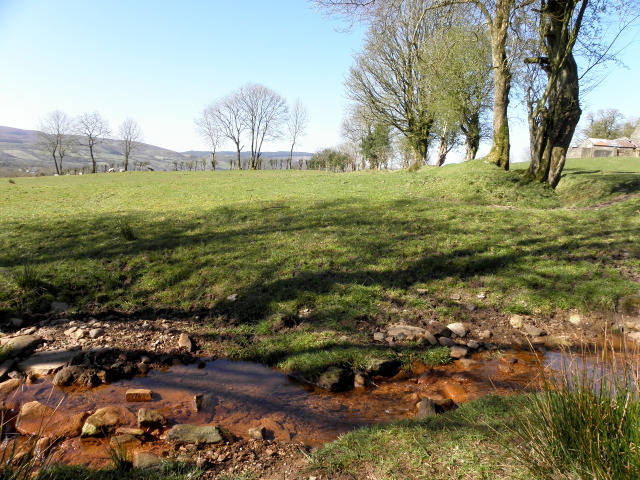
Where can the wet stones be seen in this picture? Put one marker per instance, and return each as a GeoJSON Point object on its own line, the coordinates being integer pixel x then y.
{"type": "Point", "coordinates": [426, 408]}
{"type": "Point", "coordinates": [458, 351]}
{"type": "Point", "coordinates": [9, 386]}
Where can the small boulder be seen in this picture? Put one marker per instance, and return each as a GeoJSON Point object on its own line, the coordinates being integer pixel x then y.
{"type": "Point", "coordinates": [185, 342]}
{"type": "Point", "coordinates": [258, 433]}
{"type": "Point", "coordinates": [405, 332]}
{"type": "Point", "coordinates": [336, 379]}
{"type": "Point", "coordinates": [103, 421]}
{"type": "Point", "coordinates": [96, 333]}
{"type": "Point", "coordinates": [379, 336]}
{"type": "Point", "coordinates": [473, 344]}
{"type": "Point", "coordinates": [150, 418]}
{"type": "Point", "coordinates": [460, 329]}
{"type": "Point", "coordinates": [426, 408]}
{"type": "Point", "coordinates": [384, 367]}
{"type": "Point", "coordinates": [458, 351]}
{"type": "Point", "coordinates": [438, 329]}
{"type": "Point", "coordinates": [516, 321]}
{"type": "Point", "coordinates": [429, 337]}
{"type": "Point", "coordinates": [446, 342]}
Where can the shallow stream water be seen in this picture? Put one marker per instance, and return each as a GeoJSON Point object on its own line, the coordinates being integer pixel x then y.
{"type": "Point", "coordinates": [242, 395]}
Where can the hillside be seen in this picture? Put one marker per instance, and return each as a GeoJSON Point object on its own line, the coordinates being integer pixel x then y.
{"type": "Point", "coordinates": [20, 155]}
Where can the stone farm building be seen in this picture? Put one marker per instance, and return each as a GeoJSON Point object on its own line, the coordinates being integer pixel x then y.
{"type": "Point", "coordinates": [598, 147]}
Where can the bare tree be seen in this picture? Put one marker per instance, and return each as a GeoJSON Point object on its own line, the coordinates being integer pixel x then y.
{"type": "Point", "coordinates": [209, 129]}
{"type": "Point", "coordinates": [93, 128]}
{"type": "Point", "coordinates": [264, 112]}
{"type": "Point", "coordinates": [54, 136]}
{"type": "Point", "coordinates": [297, 123]}
{"type": "Point", "coordinates": [228, 117]}
{"type": "Point", "coordinates": [130, 137]}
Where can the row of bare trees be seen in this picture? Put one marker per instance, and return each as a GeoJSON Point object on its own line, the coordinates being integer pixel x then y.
{"type": "Point", "coordinates": [60, 134]}
{"type": "Point", "coordinates": [252, 114]}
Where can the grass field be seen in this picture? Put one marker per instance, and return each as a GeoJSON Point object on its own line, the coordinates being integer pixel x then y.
{"type": "Point", "coordinates": [331, 250]}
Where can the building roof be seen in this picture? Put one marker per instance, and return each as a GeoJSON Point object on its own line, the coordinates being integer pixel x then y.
{"type": "Point", "coordinates": [617, 143]}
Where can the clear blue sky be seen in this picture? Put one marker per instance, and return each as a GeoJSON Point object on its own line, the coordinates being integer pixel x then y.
{"type": "Point", "coordinates": [161, 61]}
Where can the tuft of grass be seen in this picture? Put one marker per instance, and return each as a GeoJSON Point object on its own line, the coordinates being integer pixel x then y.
{"type": "Point", "coordinates": [11, 180]}
{"type": "Point", "coordinates": [586, 422]}
{"type": "Point", "coordinates": [27, 277]}
{"type": "Point", "coordinates": [126, 230]}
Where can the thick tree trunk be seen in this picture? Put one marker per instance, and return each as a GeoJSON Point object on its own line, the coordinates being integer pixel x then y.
{"type": "Point", "coordinates": [472, 144]}
{"type": "Point", "coordinates": [498, 31]}
{"type": "Point", "coordinates": [553, 121]}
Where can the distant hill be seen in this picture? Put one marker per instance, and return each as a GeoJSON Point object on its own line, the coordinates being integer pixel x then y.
{"type": "Point", "coordinates": [20, 154]}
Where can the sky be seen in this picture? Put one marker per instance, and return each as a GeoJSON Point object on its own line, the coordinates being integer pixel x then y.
{"type": "Point", "coordinates": [161, 61]}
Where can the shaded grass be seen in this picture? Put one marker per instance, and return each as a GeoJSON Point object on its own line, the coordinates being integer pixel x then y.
{"type": "Point", "coordinates": [168, 471]}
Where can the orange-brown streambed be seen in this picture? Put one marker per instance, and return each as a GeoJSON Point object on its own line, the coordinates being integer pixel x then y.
{"type": "Point", "coordinates": [241, 395]}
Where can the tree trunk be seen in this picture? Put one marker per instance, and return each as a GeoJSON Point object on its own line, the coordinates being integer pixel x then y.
{"type": "Point", "coordinates": [553, 120]}
{"type": "Point", "coordinates": [93, 160]}
{"type": "Point", "coordinates": [126, 161]}
{"type": "Point", "coordinates": [442, 153]}
{"type": "Point", "coordinates": [498, 31]}
{"type": "Point", "coordinates": [472, 143]}
{"type": "Point", "coordinates": [55, 162]}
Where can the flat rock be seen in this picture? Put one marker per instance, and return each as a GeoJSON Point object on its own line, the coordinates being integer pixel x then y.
{"type": "Point", "coordinates": [446, 342]}
{"type": "Point", "coordinates": [9, 386]}
{"type": "Point", "coordinates": [139, 395]}
{"type": "Point", "coordinates": [147, 417]}
{"type": "Point", "coordinates": [458, 351]}
{"type": "Point", "coordinates": [196, 434]}
{"type": "Point", "coordinates": [20, 344]}
{"type": "Point", "coordinates": [407, 332]}
{"type": "Point", "coordinates": [460, 329]}
{"type": "Point", "coordinates": [379, 336]}
{"type": "Point", "coordinates": [47, 362]}
{"type": "Point", "coordinates": [37, 419]}
{"type": "Point", "coordinates": [455, 392]}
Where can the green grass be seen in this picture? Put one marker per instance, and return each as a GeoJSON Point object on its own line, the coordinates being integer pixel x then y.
{"type": "Point", "coordinates": [457, 445]}
{"type": "Point", "coordinates": [586, 423]}
{"type": "Point", "coordinates": [168, 471]}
